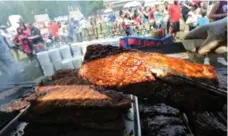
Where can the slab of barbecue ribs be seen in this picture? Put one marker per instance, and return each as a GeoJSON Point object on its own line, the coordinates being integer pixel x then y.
{"type": "Point", "coordinates": [77, 96]}
{"type": "Point", "coordinates": [113, 66]}
{"type": "Point", "coordinates": [82, 105]}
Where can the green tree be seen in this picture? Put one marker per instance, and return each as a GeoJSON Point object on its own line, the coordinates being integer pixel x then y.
{"type": "Point", "coordinates": [27, 9]}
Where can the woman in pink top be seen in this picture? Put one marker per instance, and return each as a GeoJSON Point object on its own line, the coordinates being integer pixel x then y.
{"type": "Point", "coordinates": [25, 29]}
{"type": "Point", "coordinates": [21, 40]}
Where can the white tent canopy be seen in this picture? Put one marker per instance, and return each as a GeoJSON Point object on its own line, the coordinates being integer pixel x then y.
{"type": "Point", "coordinates": [108, 10]}
{"type": "Point", "coordinates": [132, 4]}
{"type": "Point", "coordinates": [155, 2]}
{"type": "Point", "coordinates": [42, 18]}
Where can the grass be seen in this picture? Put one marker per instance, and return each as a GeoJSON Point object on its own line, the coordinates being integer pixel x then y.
{"type": "Point", "coordinates": [180, 35]}
{"type": "Point", "coordinates": [21, 55]}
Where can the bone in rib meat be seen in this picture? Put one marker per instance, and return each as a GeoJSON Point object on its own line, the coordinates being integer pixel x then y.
{"type": "Point", "coordinates": [135, 67]}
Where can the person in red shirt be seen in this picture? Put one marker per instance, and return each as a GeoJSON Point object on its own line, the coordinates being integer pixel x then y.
{"type": "Point", "coordinates": [25, 29]}
{"type": "Point", "coordinates": [175, 15]}
{"type": "Point", "coordinates": [54, 28]}
{"type": "Point", "coordinates": [137, 19]}
{"type": "Point", "coordinates": [196, 2]}
{"type": "Point", "coordinates": [21, 40]}
{"type": "Point", "coordinates": [151, 13]}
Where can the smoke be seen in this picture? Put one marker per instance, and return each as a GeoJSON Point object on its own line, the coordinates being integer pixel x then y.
{"type": "Point", "coordinates": [9, 69]}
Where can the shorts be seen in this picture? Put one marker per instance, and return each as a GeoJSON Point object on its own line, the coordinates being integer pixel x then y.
{"type": "Point", "coordinates": [37, 40]}
{"type": "Point", "coordinates": [176, 27]}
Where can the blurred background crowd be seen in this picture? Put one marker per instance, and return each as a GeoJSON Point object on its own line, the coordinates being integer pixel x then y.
{"type": "Point", "coordinates": [134, 18]}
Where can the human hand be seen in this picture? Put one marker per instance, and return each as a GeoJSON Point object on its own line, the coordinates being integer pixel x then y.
{"type": "Point", "coordinates": [213, 38]}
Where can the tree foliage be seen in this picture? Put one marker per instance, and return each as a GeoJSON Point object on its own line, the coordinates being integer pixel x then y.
{"type": "Point", "coordinates": [27, 9]}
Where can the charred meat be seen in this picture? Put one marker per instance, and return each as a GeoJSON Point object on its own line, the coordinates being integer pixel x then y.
{"type": "Point", "coordinates": [66, 130]}
{"type": "Point", "coordinates": [162, 120]}
{"type": "Point", "coordinates": [82, 105]}
{"type": "Point", "coordinates": [65, 77]}
{"type": "Point", "coordinates": [210, 124]}
{"type": "Point", "coordinates": [77, 96]}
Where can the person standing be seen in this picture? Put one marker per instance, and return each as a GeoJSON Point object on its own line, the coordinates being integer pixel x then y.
{"type": "Point", "coordinates": [159, 17]}
{"type": "Point", "coordinates": [145, 15]}
{"type": "Point", "coordinates": [36, 38]}
{"type": "Point", "coordinates": [9, 69]}
{"type": "Point", "coordinates": [24, 28]}
{"type": "Point", "coordinates": [54, 29]}
{"type": "Point", "coordinates": [21, 40]}
{"type": "Point", "coordinates": [8, 40]}
{"type": "Point", "coordinates": [137, 19]}
{"type": "Point", "coordinates": [203, 20]}
{"type": "Point", "coordinates": [151, 13]}
{"type": "Point", "coordinates": [166, 16]}
{"type": "Point", "coordinates": [185, 9]}
{"type": "Point", "coordinates": [127, 24]}
{"type": "Point", "coordinates": [71, 27]}
{"type": "Point", "coordinates": [78, 32]}
{"type": "Point", "coordinates": [219, 10]}
{"type": "Point", "coordinates": [196, 2]}
{"type": "Point", "coordinates": [193, 16]}
{"type": "Point", "coordinates": [175, 15]}
{"type": "Point", "coordinates": [26, 31]}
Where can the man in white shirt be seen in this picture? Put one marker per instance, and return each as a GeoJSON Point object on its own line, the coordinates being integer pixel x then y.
{"type": "Point", "coordinates": [9, 38]}
{"type": "Point", "coordinates": [9, 69]}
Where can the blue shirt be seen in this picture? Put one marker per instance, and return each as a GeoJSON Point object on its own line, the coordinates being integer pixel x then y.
{"type": "Point", "coordinates": [202, 21]}
{"type": "Point", "coordinates": [158, 16]}
{"type": "Point", "coordinates": [111, 18]}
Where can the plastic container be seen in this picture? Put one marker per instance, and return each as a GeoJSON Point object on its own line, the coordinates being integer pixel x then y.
{"type": "Point", "coordinates": [84, 48]}
{"type": "Point", "coordinates": [67, 64]}
{"type": "Point", "coordinates": [43, 58]}
{"type": "Point", "coordinates": [57, 65]}
{"type": "Point", "coordinates": [48, 70]}
{"type": "Point", "coordinates": [65, 52]}
{"type": "Point", "coordinates": [77, 62]}
{"type": "Point", "coordinates": [77, 50]}
{"type": "Point", "coordinates": [55, 55]}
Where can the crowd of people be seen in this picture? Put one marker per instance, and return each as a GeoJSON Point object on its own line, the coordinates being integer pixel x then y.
{"type": "Point", "coordinates": [167, 16]}
{"type": "Point", "coordinates": [30, 38]}
{"type": "Point", "coordinates": [163, 17]}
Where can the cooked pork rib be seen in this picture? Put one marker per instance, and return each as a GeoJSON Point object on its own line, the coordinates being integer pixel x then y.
{"type": "Point", "coordinates": [84, 106]}
{"type": "Point", "coordinates": [123, 68]}
{"type": "Point", "coordinates": [79, 96]}
{"type": "Point", "coordinates": [162, 120]}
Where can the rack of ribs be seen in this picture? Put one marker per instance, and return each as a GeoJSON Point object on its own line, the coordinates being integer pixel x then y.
{"type": "Point", "coordinates": [61, 96]}
{"type": "Point", "coordinates": [82, 105]}
{"type": "Point", "coordinates": [113, 66]}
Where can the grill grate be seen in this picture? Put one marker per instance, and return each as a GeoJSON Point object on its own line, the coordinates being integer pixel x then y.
{"type": "Point", "coordinates": [208, 87]}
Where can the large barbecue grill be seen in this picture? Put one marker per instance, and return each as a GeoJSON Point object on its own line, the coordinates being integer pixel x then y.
{"type": "Point", "coordinates": [194, 118]}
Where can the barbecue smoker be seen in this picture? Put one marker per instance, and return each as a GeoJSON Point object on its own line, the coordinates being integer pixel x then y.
{"type": "Point", "coordinates": [175, 105]}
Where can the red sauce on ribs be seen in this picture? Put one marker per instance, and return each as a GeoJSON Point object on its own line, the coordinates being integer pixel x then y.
{"type": "Point", "coordinates": [136, 67]}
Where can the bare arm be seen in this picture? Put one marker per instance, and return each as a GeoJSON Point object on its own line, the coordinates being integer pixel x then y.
{"type": "Point", "coordinates": [213, 15]}
{"type": "Point", "coordinates": [184, 4]}
{"type": "Point", "coordinates": [15, 41]}
{"type": "Point", "coordinates": [33, 37]}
